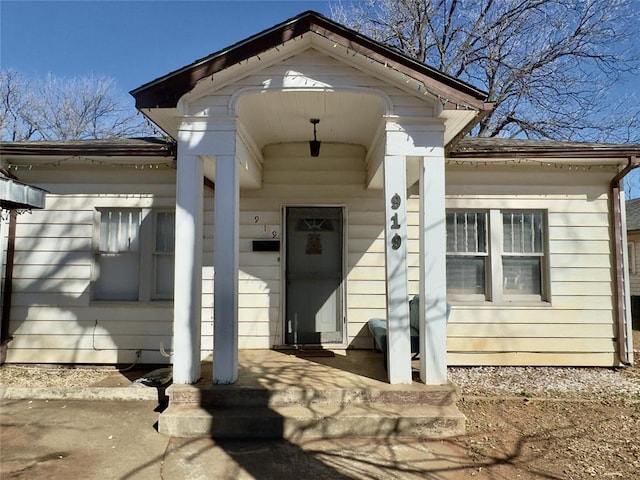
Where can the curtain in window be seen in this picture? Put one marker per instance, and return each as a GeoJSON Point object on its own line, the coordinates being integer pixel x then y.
{"type": "Point", "coordinates": [466, 252]}
{"type": "Point", "coordinates": [119, 230]}
{"type": "Point", "coordinates": [117, 259]}
{"type": "Point", "coordinates": [523, 246]}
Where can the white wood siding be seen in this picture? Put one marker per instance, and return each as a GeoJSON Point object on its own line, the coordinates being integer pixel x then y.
{"type": "Point", "coordinates": [53, 318]}
{"type": "Point", "coordinates": [206, 334]}
{"type": "Point", "coordinates": [292, 177]}
{"type": "Point", "coordinates": [576, 327]}
{"type": "Point", "coordinates": [309, 69]}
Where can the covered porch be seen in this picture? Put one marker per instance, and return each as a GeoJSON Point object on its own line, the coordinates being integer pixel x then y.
{"type": "Point", "coordinates": [239, 112]}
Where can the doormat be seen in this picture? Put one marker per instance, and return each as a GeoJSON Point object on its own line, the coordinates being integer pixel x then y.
{"type": "Point", "coordinates": [314, 352]}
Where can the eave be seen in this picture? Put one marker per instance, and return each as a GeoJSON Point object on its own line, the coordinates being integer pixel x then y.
{"type": "Point", "coordinates": [503, 147]}
{"type": "Point", "coordinates": [119, 147]}
{"type": "Point", "coordinates": [166, 91]}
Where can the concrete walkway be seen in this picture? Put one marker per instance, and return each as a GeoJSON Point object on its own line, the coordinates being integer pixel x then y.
{"type": "Point", "coordinates": [96, 439]}
{"type": "Point", "coordinates": [109, 431]}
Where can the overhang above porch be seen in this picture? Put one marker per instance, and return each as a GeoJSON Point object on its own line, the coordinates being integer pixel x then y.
{"type": "Point", "coordinates": [279, 112]}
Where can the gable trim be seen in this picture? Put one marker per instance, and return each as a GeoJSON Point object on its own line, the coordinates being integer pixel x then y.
{"type": "Point", "coordinates": [166, 91]}
{"type": "Point", "coordinates": [376, 92]}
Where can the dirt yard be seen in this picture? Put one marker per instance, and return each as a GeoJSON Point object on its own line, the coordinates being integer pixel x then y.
{"type": "Point", "coordinates": [567, 439]}
{"type": "Point", "coordinates": [568, 436]}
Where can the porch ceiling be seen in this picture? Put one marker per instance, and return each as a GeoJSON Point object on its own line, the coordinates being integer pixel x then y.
{"type": "Point", "coordinates": [283, 117]}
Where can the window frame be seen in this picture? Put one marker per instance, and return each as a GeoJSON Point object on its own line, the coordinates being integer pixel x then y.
{"type": "Point", "coordinates": [494, 271]}
{"type": "Point", "coordinates": [155, 295]}
{"type": "Point", "coordinates": [477, 297]}
{"type": "Point", "coordinates": [146, 253]}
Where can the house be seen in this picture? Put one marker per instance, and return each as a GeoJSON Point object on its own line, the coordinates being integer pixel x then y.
{"type": "Point", "coordinates": [237, 232]}
{"type": "Point", "coordinates": [632, 208]}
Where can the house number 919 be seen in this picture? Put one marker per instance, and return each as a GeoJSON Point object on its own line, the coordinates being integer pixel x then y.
{"type": "Point", "coordinates": [396, 240]}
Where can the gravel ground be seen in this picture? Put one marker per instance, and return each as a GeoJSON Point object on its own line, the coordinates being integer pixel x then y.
{"type": "Point", "coordinates": [47, 376]}
{"type": "Point", "coordinates": [546, 382]}
{"type": "Point", "coordinates": [591, 383]}
{"type": "Point", "coordinates": [551, 423]}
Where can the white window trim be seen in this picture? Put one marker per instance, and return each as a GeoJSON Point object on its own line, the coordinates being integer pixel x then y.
{"type": "Point", "coordinates": [494, 274]}
{"type": "Point", "coordinates": [155, 296]}
{"type": "Point", "coordinates": [473, 297]}
{"type": "Point", "coordinates": [146, 273]}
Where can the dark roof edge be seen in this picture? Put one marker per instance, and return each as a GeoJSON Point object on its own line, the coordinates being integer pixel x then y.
{"type": "Point", "coordinates": [499, 147]}
{"type": "Point", "coordinates": [130, 147]}
{"type": "Point", "coordinates": [172, 86]}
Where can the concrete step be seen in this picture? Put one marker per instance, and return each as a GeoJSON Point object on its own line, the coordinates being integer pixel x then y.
{"type": "Point", "coordinates": [219, 396]}
{"type": "Point", "coordinates": [317, 421]}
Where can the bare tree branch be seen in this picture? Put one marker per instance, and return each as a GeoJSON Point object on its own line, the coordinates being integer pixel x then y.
{"type": "Point", "coordinates": [54, 108]}
{"type": "Point", "coordinates": [549, 65]}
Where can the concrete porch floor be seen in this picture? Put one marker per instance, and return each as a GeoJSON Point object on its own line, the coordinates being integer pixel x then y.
{"type": "Point", "coordinates": [311, 368]}
{"type": "Point", "coordinates": [310, 394]}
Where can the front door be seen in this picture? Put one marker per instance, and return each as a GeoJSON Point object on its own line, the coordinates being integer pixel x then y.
{"type": "Point", "coordinates": [314, 274]}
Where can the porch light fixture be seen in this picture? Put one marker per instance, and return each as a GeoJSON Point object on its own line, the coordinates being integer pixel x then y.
{"type": "Point", "coordinates": [314, 145]}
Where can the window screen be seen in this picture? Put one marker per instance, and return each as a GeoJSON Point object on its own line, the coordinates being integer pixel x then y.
{"type": "Point", "coordinates": [522, 253]}
{"type": "Point", "coordinates": [163, 256]}
{"type": "Point", "coordinates": [466, 252]}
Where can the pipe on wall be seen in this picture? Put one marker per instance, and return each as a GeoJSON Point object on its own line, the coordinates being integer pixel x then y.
{"type": "Point", "coordinates": [622, 300]}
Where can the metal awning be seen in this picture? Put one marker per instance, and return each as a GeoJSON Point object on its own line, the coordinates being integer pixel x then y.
{"type": "Point", "coordinates": [15, 195]}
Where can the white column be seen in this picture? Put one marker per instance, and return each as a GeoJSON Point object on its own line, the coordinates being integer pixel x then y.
{"type": "Point", "coordinates": [225, 261]}
{"type": "Point", "coordinates": [188, 269]}
{"type": "Point", "coordinates": [398, 335]}
{"type": "Point", "coordinates": [433, 283]}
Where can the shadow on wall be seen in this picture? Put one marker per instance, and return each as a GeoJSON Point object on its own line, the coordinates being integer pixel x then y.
{"type": "Point", "coordinates": [313, 190]}
{"type": "Point", "coordinates": [54, 317]}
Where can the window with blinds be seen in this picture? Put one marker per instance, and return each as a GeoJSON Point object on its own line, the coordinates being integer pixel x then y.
{"type": "Point", "coordinates": [496, 255]}
{"type": "Point", "coordinates": [467, 252]}
{"type": "Point", "coordinates": [522, 234]}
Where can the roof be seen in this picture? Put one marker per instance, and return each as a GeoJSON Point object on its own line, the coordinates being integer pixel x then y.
{"type": "Point", "coordinates": [164, 92]}
{"type": "Point", "coordinates": [633, 214]}
{"type": "Point", "coordinates": [113, 147]}
{"type": "Point", "coordinates": [499, 147]}
{"type": "Point", "coordinates": [465, 148]}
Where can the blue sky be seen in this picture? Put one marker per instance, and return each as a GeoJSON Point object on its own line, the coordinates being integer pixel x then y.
{"type": "Point", "coordinates": [132, 41]}
{"type": "Point", "coordinates": [138, 41]}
